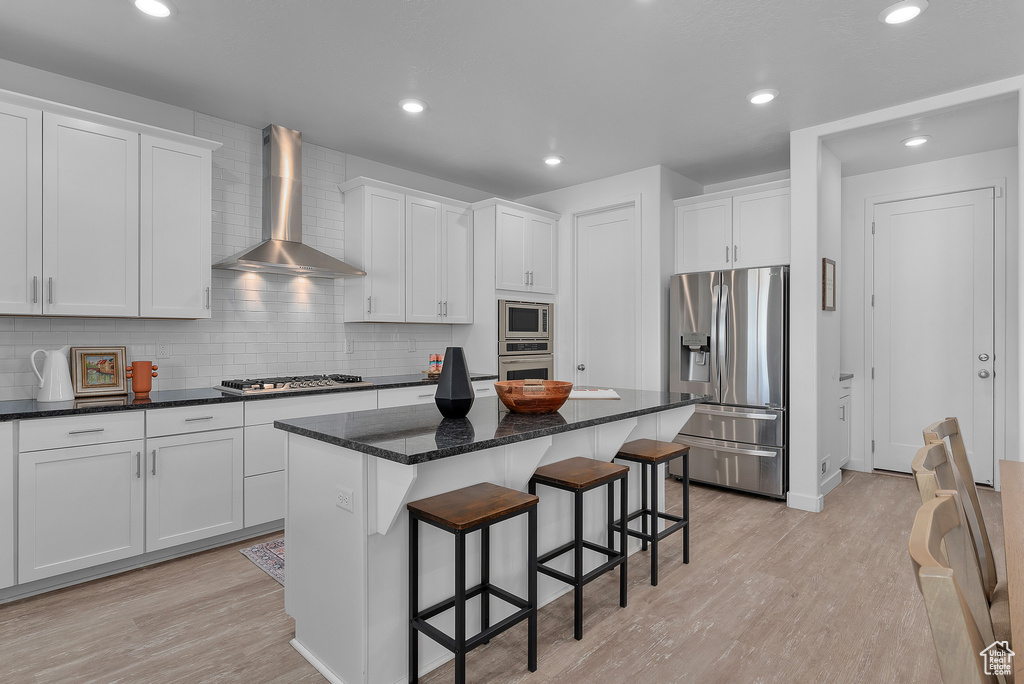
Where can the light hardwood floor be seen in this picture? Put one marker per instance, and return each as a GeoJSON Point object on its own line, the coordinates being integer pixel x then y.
{"type": "Point", "coordinates": [770, 595]}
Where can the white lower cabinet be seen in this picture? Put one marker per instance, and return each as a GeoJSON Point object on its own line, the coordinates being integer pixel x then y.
{"type": "Point", "coordinates": [7, 512]}
{"type": "Point", "coordinates": [79, 507]}
{"type": "Point", "coordinates": [193, 487]}
{"type": "Point", "coordinates": [264, 498]}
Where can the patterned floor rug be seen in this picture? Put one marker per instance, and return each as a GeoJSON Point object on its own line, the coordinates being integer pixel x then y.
{"type": "Point", "coordinates": [268, 557]}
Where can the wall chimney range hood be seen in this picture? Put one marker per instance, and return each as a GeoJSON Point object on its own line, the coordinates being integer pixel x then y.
{"type": "Point", "coordinates": [281, 250]}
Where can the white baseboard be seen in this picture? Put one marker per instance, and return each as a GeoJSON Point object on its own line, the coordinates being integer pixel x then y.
{"type": "Point", "coordinates": [831, 482]}
{"type": "Point", "coordinates": [315, 662]}
{"type": "Point", "coordinates": [803, 502]}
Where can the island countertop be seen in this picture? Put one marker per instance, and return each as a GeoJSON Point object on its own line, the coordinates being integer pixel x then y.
{"type": "Point", "coordinates": [410, 435]}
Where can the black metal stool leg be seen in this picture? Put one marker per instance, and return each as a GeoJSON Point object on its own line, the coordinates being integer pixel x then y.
{"type": "Point", "coordinates": [578, 569]}
{"type": "Point", "coordinates": [414, 599]}
{"type": "Point", "coordinates": [531, 551]}
{"type": "Point", "coordinates": [460, 608]}
{"type": "Point", "coordinates": [611, 514]}
{"type": "Point", "coordinates": [485, 578]}
{"type": "Point", "coordinates": [643, 504]}
{"type": "Point", "coordinates": [686, 507]}
{"type": "Point", "coordinates": [654, 524]}
{"type": "Point", "coordinates": [623, 536]}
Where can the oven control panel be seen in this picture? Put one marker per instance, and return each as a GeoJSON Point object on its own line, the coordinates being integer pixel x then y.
{"type": "Point", "coordinates": [525, 347]}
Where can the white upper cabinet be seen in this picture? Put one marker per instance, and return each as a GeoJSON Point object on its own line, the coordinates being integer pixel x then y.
{"type": "Point", "coordinates": [21, 196]}
{"type": "Point", "coordinates": [92, 232]}
{"type": "Point", "coordinates": [90, 218]}
{"type": "Point", "coordinates": [175, 230]}
{"type": "Point", "coordinates": [743, 228]}
{"type": "Point", "coordinates": [525, 244]}
{"type": "Point", "coordinates": [417, 251]}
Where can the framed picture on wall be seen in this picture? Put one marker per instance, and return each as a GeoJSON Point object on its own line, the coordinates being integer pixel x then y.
{"type": "Point", "coordinates": [98, 371]}
{"type": "Point", "coordinates": [828, 285]}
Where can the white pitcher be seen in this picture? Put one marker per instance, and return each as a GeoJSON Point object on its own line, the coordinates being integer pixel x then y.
{"type": "Point", "coordinates": [55, 380]}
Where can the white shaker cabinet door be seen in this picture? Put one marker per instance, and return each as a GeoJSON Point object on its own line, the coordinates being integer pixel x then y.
{"type": "Point", "coordinates": [193, 487]}
{"type": "Point", "coordinates": [90, 218]}
{"type": "Point", "coordinates": [21, 201]}
{"type": "Point", "coordinates": [542, 245]}
{"type": "Point", "coordinates": [760, 229]}
{"type": "Point", "coordinates": [175, 230]}
{"type": "Point", "coordinates": [457, 269]}
{"type": "Point", "coordinates": [423, 227]}
{"type": "Point", "coordinates": [510, 250]}
{"type": "Point", "coordinates": [704, 236]}
{"type": "Point", "coordinates": [79, 507]}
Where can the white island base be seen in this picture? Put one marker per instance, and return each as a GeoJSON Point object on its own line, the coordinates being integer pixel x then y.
{"type": "Point", "coordinates": [347, 541]}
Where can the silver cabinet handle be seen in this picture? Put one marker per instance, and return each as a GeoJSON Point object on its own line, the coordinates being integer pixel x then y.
{"type": "Point", "coordinates": [735, 252]}
{"type": "Point", "coordinates": [842, 413]}
{"type": "Point", "coordinates": [439, 308]}
{"type": "Point", "coordinates": [446, 308]}
{"type": "Point", "coordinates": [424, 396]}
{"type": "Point", "coordinates": [35, 289]}
{"type": "Point", "coordinates": [531, 277]}
{"type": "Point", "coordinates": [983, 373]}
{"type": "Point", "coordinates": [526, 277]}
{"type": "Point", "coordinates": [711, 411]}
{"type": "Point", "coordinates": [727, 253]}
{"type": "Point", "coordinates": [709, 444]}
{"type": "Point", "coordinates": [189, 420]}
{"type": "Point", "coordinates": [367, 305]}
{"type": "Point", "coordinates": [208, 302]}
{"type": "Point", "coordinates": [484, 389]}
{"type": "Point", "coordinates": [138, 465]}
{"type": "Point", "coordinates": [154, 461]}
{"type": "Point", "coordinates": [49, 295]}
{"type": "Point", "coordinates": [84, 432]}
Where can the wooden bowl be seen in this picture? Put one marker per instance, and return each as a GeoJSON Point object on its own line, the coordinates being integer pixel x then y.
{"type": "Point", "coordinates": [533, 396]}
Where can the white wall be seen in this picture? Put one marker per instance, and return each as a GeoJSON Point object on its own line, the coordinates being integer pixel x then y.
{"type": "Point", "coordinates": [855, 280]}
{"type": "Point", "coordinates": [829, 246]}
{"type": "Point", "coordinates": [655, 187]}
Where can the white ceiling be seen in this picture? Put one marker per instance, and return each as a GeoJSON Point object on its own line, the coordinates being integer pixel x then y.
{"type": "Point", "coordinates": [611, 85]}
{"type": "Point", "coordinates": [979, 127]}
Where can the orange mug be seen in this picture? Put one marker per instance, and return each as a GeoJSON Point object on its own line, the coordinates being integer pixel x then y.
{"type": "Point", "coordinates": [141, 374]}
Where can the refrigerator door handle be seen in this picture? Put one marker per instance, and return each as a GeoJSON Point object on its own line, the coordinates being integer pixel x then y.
{"type": "Point", "coordinates": [716, 378]}
{"type": "Point", "coordinates": [712, 411]}
{"type": "Point", "coordinates": [723, 338]}
{"type": "Point", "coordinates": [719, 446]}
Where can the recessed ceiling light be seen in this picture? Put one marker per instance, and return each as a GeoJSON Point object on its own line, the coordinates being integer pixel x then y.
{"type": "Point", "coordinates": [413, 106]}
{"type": "Point", "coordinates": [917, 140]}
{"type": "Point", "coordinates": [553, 160]}
{"type": "Point", "coordinates": [155, 8]}
{"type": "Point", "coordinates": [762, 96]}
{"type": "Point", "coordinates": [902, 11]}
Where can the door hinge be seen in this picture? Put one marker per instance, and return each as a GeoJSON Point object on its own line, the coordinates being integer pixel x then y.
{"type": "Point", "coordinates": [872, 446]}
{"type": "Point", "coordinates": [872, 372]}
{"type": "Point", "coordinates": [872, 227]}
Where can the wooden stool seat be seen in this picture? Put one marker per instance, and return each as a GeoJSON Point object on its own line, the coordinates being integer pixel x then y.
{"type": "Point", "coordinates": [579, 473]}
{"type": "Point", "coordinates": [650, 454]}
{"type": "Point", "coordinates": [461, 512]}
{"type": "Point", "coordinates": [651, 451]}
{"type": "Point", "coordinates": [471, 506]}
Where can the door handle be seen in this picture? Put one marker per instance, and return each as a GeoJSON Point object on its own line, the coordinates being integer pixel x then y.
{"type": "Point", "coordinates": [711, 411]}
{"type": "Point", "coordinates": [723, 338]}
{"type": "Point", "coordinates": [983, 373]}
{"type": "Point", "coordinates": [983, 356]}
{"type": "Point", "coordinates": [581, 367]}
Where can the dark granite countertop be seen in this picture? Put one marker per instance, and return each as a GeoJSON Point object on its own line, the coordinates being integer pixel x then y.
{"type": "Point", "coordinates": [30, 408]}
{"type": "Point", "coordinates": [418, 434]}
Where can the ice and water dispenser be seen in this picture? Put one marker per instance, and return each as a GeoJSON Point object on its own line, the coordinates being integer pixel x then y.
{"type": "Point", "coordinates": [695, 357]}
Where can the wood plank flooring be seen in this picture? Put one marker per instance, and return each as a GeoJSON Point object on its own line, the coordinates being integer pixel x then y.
{"type": "Point", "coordinates": [770, 595]}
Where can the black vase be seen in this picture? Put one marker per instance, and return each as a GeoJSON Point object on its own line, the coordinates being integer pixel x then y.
{"type": "Point", "coordinates": [454, 396]}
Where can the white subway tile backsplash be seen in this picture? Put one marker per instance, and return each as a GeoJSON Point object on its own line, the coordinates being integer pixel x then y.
{"type": "Point", "coordinates": [262, 324]}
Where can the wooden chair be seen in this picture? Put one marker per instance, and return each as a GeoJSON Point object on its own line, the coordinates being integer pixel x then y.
{"type": "Point", "coordinates": [947, 574]}
{"type": "Point", "coordinates": [949, 429]}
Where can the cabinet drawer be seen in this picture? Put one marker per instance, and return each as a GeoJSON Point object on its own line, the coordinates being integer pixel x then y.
{"type": "Point", "coordinates": [265, 449]}
{"type": "Point", "coordinates": [484, 388]}
{"type": "Point", "coordinates": [93, 428]}
{"type": "Point", "coordinates": [185, 419]}
{"type": "Point", "coordinates": [269, 410]}
{"type": "Point", "coordinates": [264, 498]}
{"type": "Point", "coordinates": [406, 396]}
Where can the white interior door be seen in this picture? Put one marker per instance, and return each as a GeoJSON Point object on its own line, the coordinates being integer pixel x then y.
{"type": "Point", "coordinates": [607, 287]}
{"type": "Point", "coordinates": [934, 325]}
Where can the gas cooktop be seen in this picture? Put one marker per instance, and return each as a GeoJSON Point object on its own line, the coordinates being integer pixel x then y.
{"type": "Point", "coordinates": [294, 383]}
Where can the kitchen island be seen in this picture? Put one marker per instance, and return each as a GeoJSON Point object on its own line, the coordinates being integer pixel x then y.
{"type": "Point", "coordinates": [350, 476]}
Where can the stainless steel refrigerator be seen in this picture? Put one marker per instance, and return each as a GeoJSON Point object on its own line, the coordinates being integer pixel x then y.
{"type": "Point", "coordinates": [729, 335]}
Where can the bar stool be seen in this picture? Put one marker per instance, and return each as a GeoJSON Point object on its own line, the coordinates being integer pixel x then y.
{"type": "Point", "coordinates": [579, 475]}
{"type": "Point", "coordinates": [460, 512]}
{"type": "Point", "coordinates": [650, 453]}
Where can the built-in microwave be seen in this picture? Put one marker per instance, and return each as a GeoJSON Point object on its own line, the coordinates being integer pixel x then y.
{"type": "Point", "coordinates": [524, 321]}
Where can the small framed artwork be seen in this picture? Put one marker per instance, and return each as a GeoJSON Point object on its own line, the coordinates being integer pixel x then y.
{"type": "Point", "coordinates": [97, 371]}
{"type": "Point", "coordinates": [828, 285]}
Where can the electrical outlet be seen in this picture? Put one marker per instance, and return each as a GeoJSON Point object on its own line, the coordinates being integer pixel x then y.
{"type": "Point", "coordinates": [350, 345]}
{"type": "Point", "coordinates": [163, 349]}
{"type": "Point", "coordinates": [412, 345]}
{"type": "Point", "coordinates": [344, 499]}
{"type": "Point", "coordinates": [824, 466]}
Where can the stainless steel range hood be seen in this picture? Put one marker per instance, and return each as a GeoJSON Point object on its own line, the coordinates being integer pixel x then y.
{"type": "Point", "coordinates": [282, 250]}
